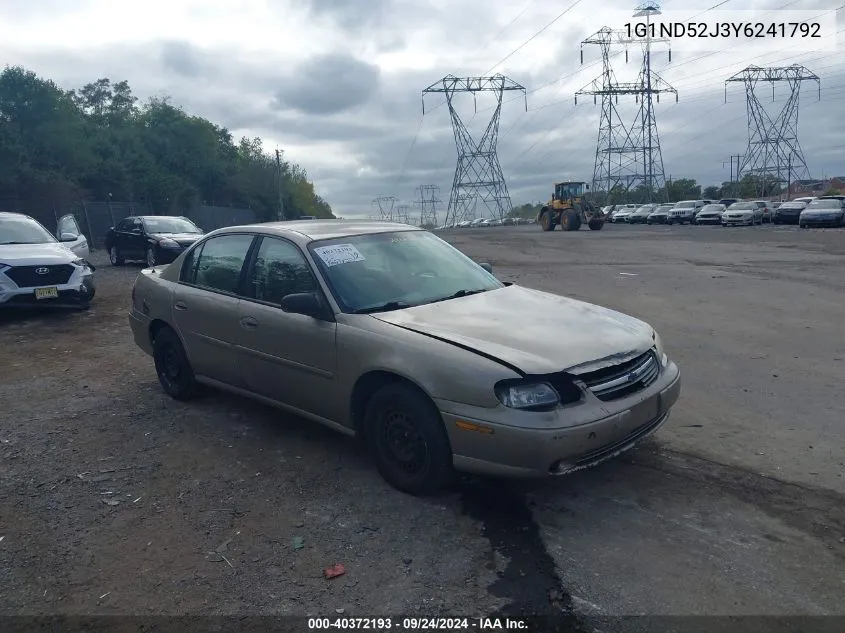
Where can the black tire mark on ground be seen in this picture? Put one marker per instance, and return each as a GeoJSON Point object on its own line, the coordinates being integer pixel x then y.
{"type": "Point", "coordinates": [814, 511]}
{"type": "Point", "coordinates": [530, 580]}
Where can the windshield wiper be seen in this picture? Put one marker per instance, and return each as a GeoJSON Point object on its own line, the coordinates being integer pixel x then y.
{"type": "Point", "coordinates": [461, 293]}
{"type": "Point", "coordinates": [385, 307]}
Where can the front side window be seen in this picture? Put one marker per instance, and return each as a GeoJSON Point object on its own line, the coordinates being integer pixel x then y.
{"type": "Point", "coordinates": [280, 270]}
{"type": "Point", "coordinates": [219, 264]}
{"type": "Point", "coordinates": [383, 271]}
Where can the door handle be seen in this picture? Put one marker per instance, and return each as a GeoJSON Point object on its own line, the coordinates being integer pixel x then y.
{"type": "Point", "coordinates": [249, 322]}
{"type": "Point", "coordinates": [180, 306]}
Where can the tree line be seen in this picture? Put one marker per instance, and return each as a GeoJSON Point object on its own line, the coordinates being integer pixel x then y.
{"type": "Point", "coordinates": [98, 142]}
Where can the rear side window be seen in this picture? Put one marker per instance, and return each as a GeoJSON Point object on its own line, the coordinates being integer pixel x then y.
{"type": "Point", "coordinates": [218, 263]}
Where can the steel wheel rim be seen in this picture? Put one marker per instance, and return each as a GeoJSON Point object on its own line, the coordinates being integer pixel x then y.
{"type": "Point", "coordinates": [151, 257]}
{"type": "Point", "coordinates": [113, 254]}
{"type": "Point", "coordinates": [402, 444]}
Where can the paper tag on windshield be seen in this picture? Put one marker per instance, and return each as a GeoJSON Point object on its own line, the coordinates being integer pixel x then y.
{"type": "Point", "coordinates": [339, 254]}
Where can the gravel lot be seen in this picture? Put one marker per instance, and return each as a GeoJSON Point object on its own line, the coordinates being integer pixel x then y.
{"type": "Point", "coordinates": [115, 499]}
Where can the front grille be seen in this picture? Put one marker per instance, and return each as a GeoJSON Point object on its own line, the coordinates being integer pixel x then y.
{"type": "Point", "coordinates": [27, 277]}
{"type": "Point", "coordinates": [624, 379]}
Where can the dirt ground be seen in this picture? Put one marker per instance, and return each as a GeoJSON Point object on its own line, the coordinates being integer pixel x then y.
{"type": "Point", "coordinates": [115, 499]}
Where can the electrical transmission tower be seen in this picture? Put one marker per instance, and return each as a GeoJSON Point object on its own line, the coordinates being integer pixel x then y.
{"type": "Point", "coordinates": [429, 199]}
{"type": "Point", "coordinates": [478, 170]}
{"type": "Point", "coordinates": [466, 205]}
{"type": "Point", "coordinates": [384, 206]}
{"type": "Point", "coordinates": [403, 213]}
{"type": "Point", "coordinates": [613, 139]}
{"type": "Point", "coordinates": [628, 156]}
{"type": "Point", "coordinates": [773, 157]}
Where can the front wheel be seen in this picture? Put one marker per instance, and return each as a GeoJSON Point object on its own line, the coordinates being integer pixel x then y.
{"type": "Point", "coordinates": [595, 225]}
{"type": "Point", "coordinates": [172, 366]}
{"type": "Point", "coordinates": [546, 220]}
{"type": "Point", "coordinates": [115, 257]}
{"type": "Point", "coordinates": [405, 436]}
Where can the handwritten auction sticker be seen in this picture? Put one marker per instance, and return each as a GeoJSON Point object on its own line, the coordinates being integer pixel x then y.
{"type": "Point", "coordinates": [339, 254]}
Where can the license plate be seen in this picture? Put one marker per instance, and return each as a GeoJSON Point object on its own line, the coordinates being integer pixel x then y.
{"type": "Point", "coordinates": [46, 293]}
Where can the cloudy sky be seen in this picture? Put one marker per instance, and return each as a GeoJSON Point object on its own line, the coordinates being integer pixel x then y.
{"type": "Point", "coordinates": [337, 84]}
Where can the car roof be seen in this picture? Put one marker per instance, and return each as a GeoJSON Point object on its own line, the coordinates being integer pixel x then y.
{"type": "Point", "coordinates": [311, 230]}
{"type": "Point", "coordinates": [15, 214]}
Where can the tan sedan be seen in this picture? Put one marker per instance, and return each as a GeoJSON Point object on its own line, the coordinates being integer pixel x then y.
{"type": "Point", "coordinates": [385, 331]}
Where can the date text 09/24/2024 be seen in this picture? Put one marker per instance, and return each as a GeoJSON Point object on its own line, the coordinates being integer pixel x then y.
{"type": "Point", "coordinates": [755, 30]}
{"type": "Point", "coordinates": [418, 624]}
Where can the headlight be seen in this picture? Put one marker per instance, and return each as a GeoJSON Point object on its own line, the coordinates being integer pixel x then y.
{"type": "Point", "coordinates": [168, 243]}
{"type": "Point", "coordinates": [658, 348]}
{"type": "Point", "coordinates": [527, 395]}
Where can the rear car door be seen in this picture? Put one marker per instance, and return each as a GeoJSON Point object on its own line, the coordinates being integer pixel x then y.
{"type": "Point", "coordinates": [69, 233]}
{"type": "Point", "coordinates": [205, 305]}
{"type": "Point", "coordinates": [288, 357]}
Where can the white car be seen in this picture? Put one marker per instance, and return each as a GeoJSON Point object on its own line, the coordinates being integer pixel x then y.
{"type": "Point", "coordinates": [38, 270]}
{"type": "Point", "coordinates": [739, 213]}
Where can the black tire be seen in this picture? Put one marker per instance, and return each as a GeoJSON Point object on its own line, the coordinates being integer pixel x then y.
{"type": "Point", "coordinates": [570, 220]}
{"type": "Point", "coordinates": [400, 413]}
{"type": "Point", "coordinates": [172, 366]}
{"type": "Point", "coordinates": [595, 225]}
{"type": "Point", "coordinates": [546, 220]}
{"type": "Point", "coordinates": [115, 257]}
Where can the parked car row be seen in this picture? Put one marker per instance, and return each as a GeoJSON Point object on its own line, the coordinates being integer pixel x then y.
{"type": "Point", "coordinates": [806, 212]}
{"type": "Point", "coordinates": [479, 223]}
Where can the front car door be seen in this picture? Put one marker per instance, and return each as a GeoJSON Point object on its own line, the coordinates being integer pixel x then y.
{"type": "Point", "coordinates": [290, 358]}
{"type": "Point", "coordinates": [69, 233]}
{"type": "Point", "coordinates": [205, 305]}
{"type": "Point", "coordinates": [132, 240]}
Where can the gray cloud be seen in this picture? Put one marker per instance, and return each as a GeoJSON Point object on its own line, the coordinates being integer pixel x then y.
{"type": "Point", "coordinates": [328, 84]}
{"type": "Point", "coordinates": [184, 59]}
{"type": "Point", "coordinates": [350, 14]}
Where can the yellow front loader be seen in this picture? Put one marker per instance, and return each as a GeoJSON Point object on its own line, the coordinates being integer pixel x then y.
{"type": "Point", "coordinates": [570, 208]}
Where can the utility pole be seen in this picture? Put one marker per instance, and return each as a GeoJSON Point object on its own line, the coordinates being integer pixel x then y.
{"type": "Point", "coordinates": [280, 185]}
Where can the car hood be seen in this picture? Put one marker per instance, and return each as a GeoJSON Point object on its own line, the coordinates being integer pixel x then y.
{"type": "Point", "coordinates": [740, 212]}
{"type": "Point", "coordinates": [32, 254]}
{"type": "Point", "coordinates": [181, 238]}
{"type": "Point", "coordinates": [535, 331]}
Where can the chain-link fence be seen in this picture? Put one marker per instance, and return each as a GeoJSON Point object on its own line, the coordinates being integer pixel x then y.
{"type": "Point", "coordinates": [96, 217]}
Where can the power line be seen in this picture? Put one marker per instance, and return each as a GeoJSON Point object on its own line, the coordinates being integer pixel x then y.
{"type": "Point", "coordinates": [533, 37]}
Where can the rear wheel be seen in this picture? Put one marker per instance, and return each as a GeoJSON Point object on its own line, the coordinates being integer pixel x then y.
{"type": "Point", "coordinates": [172, 366]}
{"type": "Point", "coordinates": [405, 436]}
{"type": "Point", "coordinates": [570, 220]}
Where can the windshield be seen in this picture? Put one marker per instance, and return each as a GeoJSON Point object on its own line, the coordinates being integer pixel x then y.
{"type": "Point", "coordinates": [712, 207]}
{"type": "Point", "coordinates": [825, 204]}
{"type": "Point", "coordinates": [388, 271]}
{"type": "Point", "coordinates": [646, 208]}
{"type": "Point", "coordinates": [170, 225]}
{"type": "Point", "coordinates": [663, 209]}
{"type": "Point", "coordinates": [23, 230]}
{"type": "Point", "coordinates": [743, 206]}
{"type": "Point", "coordinates": [685, 204]}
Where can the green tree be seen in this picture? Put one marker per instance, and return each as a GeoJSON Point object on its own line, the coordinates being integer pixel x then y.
{"type": "Point", "coordinates": [832, 191]}
{"type": "Point", "coordinates": [712, 193]}
{"type": "Point", "coordinates": [98, 140]}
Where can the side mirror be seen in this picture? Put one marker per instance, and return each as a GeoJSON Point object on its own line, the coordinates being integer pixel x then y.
{"type": "Point", "coordinates": [487, 267]}
{"type": "Point", "coordinates": [306, 303]}
{"type": "Point", "coordinates": [68, 237]}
